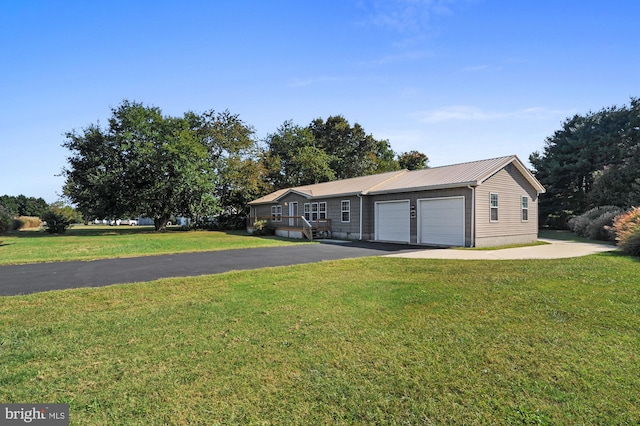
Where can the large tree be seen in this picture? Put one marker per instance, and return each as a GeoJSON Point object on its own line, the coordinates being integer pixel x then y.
{"type": "Point", "coordinates": [293, 159]}
{"type": "Point", "coordinates": [233, 158]}
{"type": "Point", "coordinates": [143, 163]}
{"type": "Point", "coordinates": [352, 152]}
{"type": "Point", "coordinates": [591, 161]}
{"type": "Point", "coordinates": [324, 151]}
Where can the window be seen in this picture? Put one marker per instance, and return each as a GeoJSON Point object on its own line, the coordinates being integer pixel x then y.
{"type": "Point", "coordinates": [494, 207]}
{"type": "Point", "coordinates": [345, 208]}
{"type": "Point", "coordinates": [322, 210]}
{"type": "Point", "coordinates": [525, 208]}
{"type": "Point", "coordinates": [307, 211]}
{"type": "Point", "coordinates": [314, 212]}
{"type": "Point", "coordinates": [276, 213]}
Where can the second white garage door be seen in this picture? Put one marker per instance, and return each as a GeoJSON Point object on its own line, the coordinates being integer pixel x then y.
{"type": "Point", "coordinates": [392, 221]}
{"type": "Point", "coordinates": [441, 221]}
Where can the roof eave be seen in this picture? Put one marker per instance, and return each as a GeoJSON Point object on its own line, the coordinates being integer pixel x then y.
{"type": "Point", "coordinates": [425, 188]}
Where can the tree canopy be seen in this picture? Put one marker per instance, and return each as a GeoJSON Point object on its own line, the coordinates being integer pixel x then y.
{"type": "Point", "coordinates": [144, 163]}
{"type": "Point", "coordinates": [148, 164]}
{"type": "Point", "coordinates": [22, 205]}
{"type": "Point", "coordinates": [325, 151]}
{"type": "Point", "coordinates": [413, 160]}
{"type": "Point", "coordinates": [593, 160]}
{"type": "Point", "coordinates": [351, 151]}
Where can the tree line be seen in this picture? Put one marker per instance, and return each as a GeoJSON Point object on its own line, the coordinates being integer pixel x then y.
{"type": "Point", "coordinates": [22, 205]}
{"type": "Point", "coordinates": [593, 160]}
{"type": "Point", "coordinates": [18, 212]}
{"type": "Point", "coordinates": [145, 163]}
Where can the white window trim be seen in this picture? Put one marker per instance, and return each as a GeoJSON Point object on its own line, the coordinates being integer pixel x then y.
{"type": "Point", "coordinates": [307, 211]}
{"type": "Point", "coordinates": [492, 207]}
{"type": "Point", "coordinates": [314, 212]}
{"type": "Point", "coordinates": [276, 213]}
{"type": "Point", "coordinates": [322, 210]}
{"type": "Point", "coordinates": [342, 211]}
{"type": "Point", "coordinates": [524, 205]}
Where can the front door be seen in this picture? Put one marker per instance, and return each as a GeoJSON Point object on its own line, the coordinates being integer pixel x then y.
{"type": "Point", "coordinates": [293, 213]}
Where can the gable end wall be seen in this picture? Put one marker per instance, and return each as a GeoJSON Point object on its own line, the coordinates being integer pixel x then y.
{"type": "Point", "coordinates": [510, 185]}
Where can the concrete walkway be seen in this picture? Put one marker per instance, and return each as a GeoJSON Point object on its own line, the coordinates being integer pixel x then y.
{"type": "Point", "coordinates": [556, 249]}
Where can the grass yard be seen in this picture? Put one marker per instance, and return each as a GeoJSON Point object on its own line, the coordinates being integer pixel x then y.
{"type": "Point", "coordinates": [364, 341]}
{"type": "Point", "coordinates": [102, 242]}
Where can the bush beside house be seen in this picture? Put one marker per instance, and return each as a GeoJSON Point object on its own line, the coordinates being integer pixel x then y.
{"type": "Point", "coordinates": [263, 227]}
{"type": "Point", "coordinates": [610, 223]}
{"type": "Point", "coordinates": [596, 223]}
{"type": "Point", "coordinates": [627, 229]}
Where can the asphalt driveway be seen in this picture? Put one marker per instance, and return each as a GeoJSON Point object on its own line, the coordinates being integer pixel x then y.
{"type": "Point", "coordinates": [33, 278]}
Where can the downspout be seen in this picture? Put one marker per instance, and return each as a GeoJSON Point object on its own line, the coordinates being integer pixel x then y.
{"type": "Point", "coordinates": [360, 196]}
{"type": "Point", "coordinates": [473, 214]}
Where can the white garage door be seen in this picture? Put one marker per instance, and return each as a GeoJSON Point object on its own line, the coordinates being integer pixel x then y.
{"type": "Point", "coordinates": [441, 221]}
{"type": "Point", "coordinates": [392, 221]}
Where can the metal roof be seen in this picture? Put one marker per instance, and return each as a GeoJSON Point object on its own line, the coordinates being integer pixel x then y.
{"type": "Point", "coordinates": [456, 175]}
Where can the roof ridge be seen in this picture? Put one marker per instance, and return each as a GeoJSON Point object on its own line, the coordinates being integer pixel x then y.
{"type": "Point", "coordinates": [505, 157]}
{"type": "Point", "coordinates": [395, 175]}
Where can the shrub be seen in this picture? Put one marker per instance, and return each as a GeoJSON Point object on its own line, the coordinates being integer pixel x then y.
{"type": "Point", "coordinates": [263, 227]}
{"type": "Point", "coordinates": [16, 224]}
{"type": "Point", "coordinates": [627, 229]}
{"type": "Point", "coordinates": [6, 221]}
{"type": "Point", "coordinates": [232, 221]}
{"type": "Point", "coordinates": [56, 223]}
{"type": "Point", "coordinates": [596, 223]}
{"type": "Point", "coordinates": [555, 221]}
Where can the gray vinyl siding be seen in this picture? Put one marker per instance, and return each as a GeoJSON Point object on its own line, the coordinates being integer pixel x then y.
{"type": "Point", "coordinates": [508, 178]}
{"type": "Point", "coordinates": [339, 229]}
{"type": "Point", "coordinates": [344, 230]}
{"type": "Point", "coordinates": [261, 210]}
{"type": "Point", "coordinates": [413, 197]}
{"type": "Point", "coordinates": [511, 186]}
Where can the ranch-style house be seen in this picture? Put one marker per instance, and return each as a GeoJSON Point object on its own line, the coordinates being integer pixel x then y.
{"type": "Point", "coordinates": [476, 204]}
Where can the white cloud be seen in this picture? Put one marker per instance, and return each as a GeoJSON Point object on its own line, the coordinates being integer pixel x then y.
{"type": "Point", "coordinates": [470, 113]}
{"type": "Point", "coordinates": [406, 16]}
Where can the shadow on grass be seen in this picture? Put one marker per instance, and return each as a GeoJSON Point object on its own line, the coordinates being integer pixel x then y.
{"type": "Point", "coordinates": [106, 231]}
{"type": "Point", "coordinates": [618, 253]}
{"type": "Point", "coordinates": [556, 234]}
{"type": "Point", "coordinates": [84, 231]}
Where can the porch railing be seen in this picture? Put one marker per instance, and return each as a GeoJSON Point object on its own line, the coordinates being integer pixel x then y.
{"type": "Point", "coordinates": [320, 228]}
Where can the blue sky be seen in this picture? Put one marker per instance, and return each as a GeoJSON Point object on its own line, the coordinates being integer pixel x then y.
{"type": "Point", "coordinates": [459, 80]}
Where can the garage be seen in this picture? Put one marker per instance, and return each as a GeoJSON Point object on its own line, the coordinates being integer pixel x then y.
{"type": "Point", "coordinates": [441, 221]}
{"type": "Point", "coordinates": [392, 221]}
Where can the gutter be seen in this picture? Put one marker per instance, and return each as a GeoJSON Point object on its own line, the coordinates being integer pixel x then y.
{"type": "Point", "coordinates": [424, 188]}
{"type": "Point", "coordinates": [473, 214]}
{"type": "Point", "coordinates": [360, 196]}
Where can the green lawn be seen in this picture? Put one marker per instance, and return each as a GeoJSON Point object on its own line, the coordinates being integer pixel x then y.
{"type": "Point", "coordinates": [101, 242]}
{"type": "Point", "coordinates": [364, 341]}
